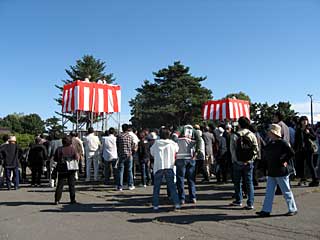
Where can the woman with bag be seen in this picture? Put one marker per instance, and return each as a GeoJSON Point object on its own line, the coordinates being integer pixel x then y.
{"type": "Point", "coordinates": [304, 139]}
{"type": "Point", "coordinates": [67, 164]}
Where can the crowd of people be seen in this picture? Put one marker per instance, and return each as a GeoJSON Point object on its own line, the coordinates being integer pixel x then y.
{"type": "Point", "coordinates": [236, 153]}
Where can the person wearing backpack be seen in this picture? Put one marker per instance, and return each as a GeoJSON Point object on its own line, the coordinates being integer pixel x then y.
{"type": "Point", "coordinates": [278, 156]}
{"type": "Point", "coordinates": [244, 149]}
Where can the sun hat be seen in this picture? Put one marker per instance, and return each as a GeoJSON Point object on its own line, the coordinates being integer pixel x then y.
{"type": "Point", "coordinates": [275, 129]}
{"type": "Point", "coordinates": [12, 139]}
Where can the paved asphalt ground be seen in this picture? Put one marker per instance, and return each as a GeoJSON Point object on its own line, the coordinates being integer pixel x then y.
{"type": "Point", "coordinates": [102, 213]}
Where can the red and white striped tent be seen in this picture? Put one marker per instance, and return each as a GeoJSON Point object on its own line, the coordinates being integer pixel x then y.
{"type": "Point", "coordinates": [226, 109]}
{"type": "Point", "coordinates": [92, 97]}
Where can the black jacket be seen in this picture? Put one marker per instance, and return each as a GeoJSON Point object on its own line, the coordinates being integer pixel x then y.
{"type": "Point", "coordinates": [302, 138]}
{"type": "Point", "coordinates": [277, 152]}
{"type": "Point", "coordinates": [10, 155]}
{"type": "Point", "coordinates": [37, 155]}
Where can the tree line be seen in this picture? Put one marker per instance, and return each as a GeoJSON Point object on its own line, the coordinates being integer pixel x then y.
{"type": "Point", "coordinates": [173, 97]}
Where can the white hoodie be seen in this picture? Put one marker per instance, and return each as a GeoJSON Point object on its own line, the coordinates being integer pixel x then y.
{"type": "Point", "coordinates": [164, 153]}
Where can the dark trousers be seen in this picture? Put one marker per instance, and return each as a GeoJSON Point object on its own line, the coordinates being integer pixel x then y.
{"type": "Point", "coordinates": [145, 172]}
{"type": "Point", "coordinates": [223, 170]}
{"type": "Point", "coordinates": [15, 177]}
{"type": "Point", "coordinates": [71, 182]}
{"type": "Point", "coordinates": [302, 158]}
{"type": "Point", "coordinates": [36, 174]}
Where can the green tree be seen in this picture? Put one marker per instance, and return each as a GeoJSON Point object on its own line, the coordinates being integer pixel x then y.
{"type": "Point", "coordinates": [240, 95]}
{"type": "Point", "coordinates": [87, 67]}
{"type": "Point", "coordinates": [13, 122]}
{"type": "Point", "coordinates": [32, 124]}
{"type": "Point", "coordinates": [175, 98]}
{"type": "Point", "coordinates": [262, 114]}
{"type": "Point", "coordinates": [53, 124]}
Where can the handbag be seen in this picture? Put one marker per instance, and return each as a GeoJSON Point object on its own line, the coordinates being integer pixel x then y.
{"type": "Point", "coordinates": [72, 165]}
{"type": "Point", "coordinates": [314, 146]}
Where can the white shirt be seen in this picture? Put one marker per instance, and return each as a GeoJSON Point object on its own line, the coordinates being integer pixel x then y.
{"type": "Point", "coordinates": [92, 144]}
{"type": "Point", "coordinates": [164, 152]}
{"type": "Point", "coordinates": [109, 148]}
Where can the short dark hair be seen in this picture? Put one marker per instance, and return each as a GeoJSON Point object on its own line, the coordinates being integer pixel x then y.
{"type": "Point", "coordinates": [66, 141]}
{"type": "Point", "coordinates": [165, 133]}
{"type": "Point", "coordinates": [125, 127]}
{"type": "Point", "coordinates": [74, 134]}
{"type": "Point", "coordinates": [279, 115]}
{"type": "Point", "coordinates": [90, 130]}
{"type": "Point", "coordinates": [5, 137]}
{"type": "Point", "coordinates": [112, 130]}
{"type": "Point", "coordinates": [244, 122]}
{"type": "Point", "coordinates": [37, 140]}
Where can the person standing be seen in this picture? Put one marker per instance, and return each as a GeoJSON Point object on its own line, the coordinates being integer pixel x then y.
{"type": "Point", "coordinates": [78, 146]}
{"type": "Point", "coordinates": [278, 154]}
{"type": "Point", "coordinates": [5, 139]}
{"type": "Point", "coordinates": [304, 154]}
{"type": "Point", "coordinates": [164, 151]}
{"type": "Point", "coordinates": [36, 158]}
{"type": "Point", "coordinates": [92, 149]}
{"type": "Point", "coordinates": [209, 140]}
{"type": "Point", "coordinates": [186, 164]}
{"type": "Point", "coordinates": [285, 132]}
{"type": "Point", "coordinates": [110, 155]}
{"type": "Point", "coordinates": [10, 154]}
{"type": "Point", "coordinates": [53, 146]}
{"type": "Point", "coordinates": [62, 155]}
{"type": "Point", "coordinates": [244, 149]}
{"type": "Point", "coordinates": [125, 147]}
{"type": "Point", "coordinates": [144, 158]}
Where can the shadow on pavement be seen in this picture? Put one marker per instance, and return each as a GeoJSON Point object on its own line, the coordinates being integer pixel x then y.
{"type": "Point", "coordinates": [189, 219]}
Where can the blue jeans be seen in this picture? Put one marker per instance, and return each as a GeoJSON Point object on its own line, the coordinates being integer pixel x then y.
{"type": "Point", "coordinates": [186, 167]}
{"type": "Point", "coordinates": [145, 172]}
{"type": "Point", "coordinates": [284, 185]}
{"type": "Point", "coordinates": [122, 162]}
{"type": "Point", "coordinates": [15, 177]}
{"type": "Point", "coordinates": [240, 172]}
{"type": "Point", "coordinates": [171, 187]}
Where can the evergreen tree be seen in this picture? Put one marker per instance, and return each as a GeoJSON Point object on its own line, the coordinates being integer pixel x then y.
{"type": "Point", "coordinates": [175, 98]}
{"type": "Point", "coordinates": [87, 67]}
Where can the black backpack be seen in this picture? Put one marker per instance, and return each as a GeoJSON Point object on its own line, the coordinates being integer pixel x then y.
{"type": "Point", "coordinates": [244, 148]}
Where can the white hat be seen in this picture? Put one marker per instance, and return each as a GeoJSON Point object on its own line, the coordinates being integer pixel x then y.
{"type": "Point", "coordinates": [153, 136]}
{"type": "Point", "coordinates": [12, 139]}
{"type": "Point", "coordinates": [275, 129]}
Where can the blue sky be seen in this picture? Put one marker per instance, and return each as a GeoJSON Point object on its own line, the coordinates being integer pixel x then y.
{"type": "Point", "coordinates": [268, 49]}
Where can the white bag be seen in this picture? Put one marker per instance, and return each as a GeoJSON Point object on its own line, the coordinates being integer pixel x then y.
{"type": "Point", "coordinates": [72, 165]}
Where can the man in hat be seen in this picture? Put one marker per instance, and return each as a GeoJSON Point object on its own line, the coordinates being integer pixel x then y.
{"type": "Point", "coordinates": [278, 155]}
{"type": "Point", "coordinates": [11, 153]}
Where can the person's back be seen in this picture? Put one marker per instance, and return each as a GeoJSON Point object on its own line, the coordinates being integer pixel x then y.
{"type": "Point", "coordinates": [37, 154]}
{"type": "Point", "coordinates": [164, 151]}
{"type": "Point", "coordinates": [109, 147]}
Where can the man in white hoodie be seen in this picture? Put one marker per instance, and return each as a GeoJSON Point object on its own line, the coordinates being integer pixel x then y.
{"type": "Point", "coordinates": [164, 151]}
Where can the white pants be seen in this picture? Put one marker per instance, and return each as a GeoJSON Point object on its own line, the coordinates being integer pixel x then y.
{"type": "Point", "coordinates": [95, 160]}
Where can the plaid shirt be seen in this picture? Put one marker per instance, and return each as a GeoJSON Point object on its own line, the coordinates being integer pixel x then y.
{"type": "Point", "coordinates": [125, 145]}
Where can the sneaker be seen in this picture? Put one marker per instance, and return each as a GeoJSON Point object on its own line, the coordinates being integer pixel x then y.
{"type": "Point", "coordinates": [263, 214]}
{"type": "Point", "coordinates": [144, 185]}
{"type": "Point", "coordinates": [248, 208]}
{"type": "Point", "coordinates": [236, 204]}
{"type": "Point", "coordinates": [73, 202]}
{"type": "Point", "coordinates": [132, 188]}
{"type": "Point", "coordinates": [177, 207]}
{"type": "Point", "coordinates": [291, 213]}
{"type": "Point", "coordinates": [193, 200]}
{"type": "Point", "coordinates": [155, 208]}
{"type": "Point", "coordinates": [182, 202]}
{"type": "Point", "coordinates": [119, 189]}
{"type": "Point", "coordinates": [52, 183]}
